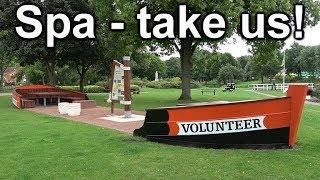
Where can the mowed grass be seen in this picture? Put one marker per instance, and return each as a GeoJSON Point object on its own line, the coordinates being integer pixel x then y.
{"type": "Point", "coordinates": [153, 98]}
{"type": "Point", "coordinates": [39, 146]}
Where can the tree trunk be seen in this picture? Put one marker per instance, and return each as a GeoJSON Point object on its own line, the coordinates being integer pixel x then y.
{"type": "Point", "coordinates": [262, 79]}
{"type": "Point", "coordinates": [186, 66]}
{"type": "Point", "coordinates": [50, 64]}
{"type": "Point", "coordinates": [1, 78]}
{"type": "Point", "coordinates": [81, 85]}
{"type": "Point", "coordinates": [51, 75]}
{"type": "Point", "coordinates": [82, 71]}
{"type": "Point", "coordinates": [186, 51]}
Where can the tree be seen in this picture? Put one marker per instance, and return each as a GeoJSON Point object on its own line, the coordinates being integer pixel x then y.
{"type": "Point", "coordinates": [244, 62]}
{"type": "Point", "coordinates": [4, 61]}
{"type": "Point", "coordinates": [206, 65]}
{"type": "Point", "coordinates": [34, 73]}
{"type": "Point", "coordinates": [147, 65]}
{"type": "Point", "coordinates": [185, 47]}
{"type": "Point", "coordinates": [70, 72]}
{"type": "Point", "coordinates": [116, 45]}
{"type": "Point", "coordinates": [173, 67]}
{"type": "Point", "coordinates": [310, 58]}
{"type": "Point", "coordinates": [265, 61]}
{"type": "Point", "coordinates": [293, 63]}
{"type": "Point", "coordinates": [229, 73]}
{"type": "Point", "coordinates": [230, 9]}
{"type": "Point", "coordinates": [30, 51]}
{"type": "Point", "coordinates": [263, 49]}
{"type": "Point", "coordinates": [202, 61]}
{"type": "Point", "coordinates": [81, 60]}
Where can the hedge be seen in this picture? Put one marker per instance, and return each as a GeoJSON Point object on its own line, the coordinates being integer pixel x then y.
{"type": "Point", "coordinates": [170, 83]}
{"type": "Point", "coordinates": [7, 89]}
{"type": "Point", "coordinates": [96, 89]}
{"type": "Point", "coordinates": [87, 89]}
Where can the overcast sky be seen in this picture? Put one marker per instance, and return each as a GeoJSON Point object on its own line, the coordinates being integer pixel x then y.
{"type": "Point", "coordinates": [237, 46]}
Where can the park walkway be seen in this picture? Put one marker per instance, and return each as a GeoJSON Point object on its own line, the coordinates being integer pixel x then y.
{"type": "Point", "coordinates": [93, 116]}
{"type": "Point", "coordinates": [264, 94]}
{"type": "Point", "coordinates": [269, 95]}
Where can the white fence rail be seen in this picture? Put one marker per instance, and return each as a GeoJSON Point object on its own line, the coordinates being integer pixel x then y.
{"type": "Point", "coordinates": [282, 87]}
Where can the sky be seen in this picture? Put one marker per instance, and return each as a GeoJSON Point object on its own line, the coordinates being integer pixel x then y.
{"type": "Point", "coordinates": [237, 46]}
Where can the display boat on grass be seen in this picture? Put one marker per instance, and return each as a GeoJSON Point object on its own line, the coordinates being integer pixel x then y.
{"type": "Point", "coordinates": [268, 123]}
{"type": "Point", "coordinates": [34, 95]}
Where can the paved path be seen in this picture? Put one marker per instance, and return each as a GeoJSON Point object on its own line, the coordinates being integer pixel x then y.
{"type": "Point", "coordinates": [269, 95]}
{"type": "Point", "coordinates": [313, 103]}
{"type": "Point", "coordinates": [93, 116]}
{"type": "Point", "coordinates": [264, 94]}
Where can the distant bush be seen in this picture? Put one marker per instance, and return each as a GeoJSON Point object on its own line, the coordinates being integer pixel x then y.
{"type": "Point", "coordinates": [7, 89]}
{"type": "Point", "coordinates": [154, 84]}
{"type": "Point", "coordinates": [316, 93]}
{"type": "Point", "coordinates": [170, 83]}
{"type": "Point", "coordinates": [290, 78]}
{"type": "Point", "coordinates": [139, 82]}
{"type": "Point", "coordinates": [135, 88]}
{"type": "Point", "coordinates": [104, 84]}
{"type": "Point", "coordinates": [87, 89]}
{"type": "Point", "coordinates": [195, 84]}
{"type": "Point", "coordinates": [212, 84]}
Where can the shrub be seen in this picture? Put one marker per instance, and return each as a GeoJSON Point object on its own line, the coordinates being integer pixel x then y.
{"type": "Point", "coordinates": [290, 78]}
{"type": "Point", "coordinates": [154, 84]}
{"type": "Point", "coordinates": [212, 84]}
{"type": "Point", "coordinates": [87, 89]}
{"type": "Point", "coordinates": [170, 83]}
{"type": "Point", "coordinates": [316, 93]}
{"type": "Point", "coordinates": [94, 89]}
{"type": "Point", "coordinates": [7, 89]}
{"type": "Point", "coordinates": [103, 84]}
{"type": "Point", "coordinates": [139, 82]}
{"type": "Point", "coordinates": [135, 88]}
{"type": "Point", "coordinates": [195, 84]}
{"type": "Point", "coordinates": [71, 88]}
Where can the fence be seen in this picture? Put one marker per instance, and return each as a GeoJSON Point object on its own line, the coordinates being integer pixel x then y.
{"type": "Point", "coordinates": [282, 87]}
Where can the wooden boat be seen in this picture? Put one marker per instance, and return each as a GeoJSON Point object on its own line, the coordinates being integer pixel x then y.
{"type": "Point", "coordinates": [265, 123]}
{"type": "Point", "coordinates": [32, 95]}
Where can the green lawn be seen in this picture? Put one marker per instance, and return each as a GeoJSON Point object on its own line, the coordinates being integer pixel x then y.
{"type": "Point", "coordinates": [39, 146]}
{"type": "Point", "coordinates": [152, 98]}
{"type": "Point", "coordinates": [274, 93]}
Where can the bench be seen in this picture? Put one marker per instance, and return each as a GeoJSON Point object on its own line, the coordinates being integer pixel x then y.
{"type": "Point", "coordinates": [213, 91]}
{"type": "Point", "coordinates": [86, 104]}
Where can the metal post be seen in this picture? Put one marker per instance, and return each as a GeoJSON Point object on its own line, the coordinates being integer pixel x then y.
{"type": "Point", "coordinates": [127, 88]}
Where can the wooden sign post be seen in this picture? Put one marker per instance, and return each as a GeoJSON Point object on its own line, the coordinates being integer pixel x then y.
{"type": "Point", "coordinates": [127, 88]}
{"type": "Point", "coordinates": [121, 90]}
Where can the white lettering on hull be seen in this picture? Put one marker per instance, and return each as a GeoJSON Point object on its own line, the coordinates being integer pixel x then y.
{"type": "Point", "coordinates": [222, 126]}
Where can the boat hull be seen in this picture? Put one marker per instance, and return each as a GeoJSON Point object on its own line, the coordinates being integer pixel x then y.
{"type": "Point", "coordinates": [263, 123]}
{"type": "Point", "coordinates": [274, 138]}
{"type": "Point", "coordinates": [24, 96]}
